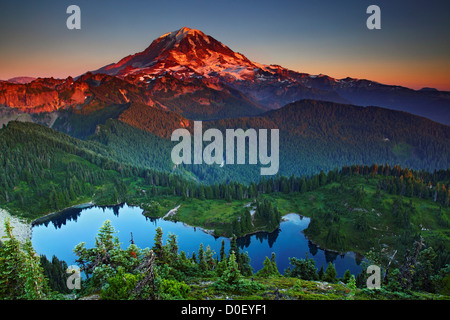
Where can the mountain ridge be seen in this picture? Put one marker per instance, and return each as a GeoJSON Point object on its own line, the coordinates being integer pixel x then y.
{"type": "Point", "coordinates": [273, 86]}
{"type": "Point", "coordinates": [314, 136]}
{"type": "Point", "coordinates": [195, 75]}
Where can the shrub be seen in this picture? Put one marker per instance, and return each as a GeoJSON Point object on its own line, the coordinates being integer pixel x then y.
{"type": "Point", "coordinates": [119, 286]}
{"type": "Point", "coordinates": [172, 289]}
{"type": "Point", "coordinates": [302, 268]}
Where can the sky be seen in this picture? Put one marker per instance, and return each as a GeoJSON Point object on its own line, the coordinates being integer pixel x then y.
{"type": "Point", "coordinates": [330, 37]}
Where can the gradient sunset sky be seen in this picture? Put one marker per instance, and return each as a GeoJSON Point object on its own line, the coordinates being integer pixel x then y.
{"type": "Point", "coordinates": [324, 36]}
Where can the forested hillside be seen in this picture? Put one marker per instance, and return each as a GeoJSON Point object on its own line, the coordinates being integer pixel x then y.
{"type": "Point", "coordinates": [314, 136]}
{"type": "Point", "coordinates": [44, 170]}
{"type": "Point", "coordinates": [377, 210]}
{"type": "Point", "coordinates": [318, 135]}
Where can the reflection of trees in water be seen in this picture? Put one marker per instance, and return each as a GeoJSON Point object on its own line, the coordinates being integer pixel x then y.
{"type": "Point", "coordinates": [152, 220]}
{"type": "Point", "coordinates": [115, 208]}
{"type": "Point", "coordinates": [61, 218]}
{"type": "Point", "coordinates": [313, 249]}
{"type": "Point", "coordinates": [330, 256]}
{"type": "Point", "coordinates": [358, 258]}
{"type": "Point", "coordinates": [72, 214]}
{"type": "Point", "coordinates": [244, 242]}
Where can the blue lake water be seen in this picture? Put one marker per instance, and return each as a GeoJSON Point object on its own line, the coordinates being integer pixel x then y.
{"type": "Point", "coordinates": [59, 235]}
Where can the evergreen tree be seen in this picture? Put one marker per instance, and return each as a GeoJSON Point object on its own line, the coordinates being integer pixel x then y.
{"type": "Point", "coordinates": [347, 276]}
{"type": "Point", "coordinates": [202, 258]}
{"type": "Point", "coordinates": [244, 264]}
{"type": "Point", "coordinates": [233, 246]}
{"type": "Point", "coordinates": [303, 186]}
{"type": "Point", "coordinates": [269, 268]}
{"type": "Point", "coordinates": [231, 275]}
{"type": "Point", "coordinates": [222, 251]}
{"type": "Point", "coordinates": [21, 275]}
{"type": "Point", "coordinates": [320, 273]}
{"type": "Point", "coordinates": [55, 272]}
{"type": "Point", "coordinates": [158, 247]}
{"type": "Point", "coordinates": [172, 244]}
{"type": "Point", "coordinates": [221, 267]}
{"type": "Point", "coordinates": [330, 273]}
{"type": "Point", "coordinates": [106, 237]}
{"type": "Point", "coordinates": [209, 258]}
{"type": "Point", "coordinates": [425, 269]}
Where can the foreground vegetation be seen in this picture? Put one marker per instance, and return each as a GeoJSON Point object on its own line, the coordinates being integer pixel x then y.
{"type": "Point", "coordinates": [162, 272]}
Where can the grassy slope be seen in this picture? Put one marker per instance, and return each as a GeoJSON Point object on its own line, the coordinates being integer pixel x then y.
{"type": "Point", "coordinates": [298, 289]}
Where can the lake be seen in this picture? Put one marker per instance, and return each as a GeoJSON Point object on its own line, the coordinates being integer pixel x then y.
{"type": "Point", "coordinates": [62, 232]}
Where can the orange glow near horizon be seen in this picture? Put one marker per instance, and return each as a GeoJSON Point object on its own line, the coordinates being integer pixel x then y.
{"type": "Point", "coordinates": [410, 73]}
{"type": "Point", "coordinates": [432, 74]}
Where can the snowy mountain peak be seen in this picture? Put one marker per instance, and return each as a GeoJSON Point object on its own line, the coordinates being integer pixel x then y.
{"type": "Point", "coordinates": [182, 33]}
{"type": "Point", "coordinates": [191, 54]}
{"type": "Point", "coordinates": [185, 53]}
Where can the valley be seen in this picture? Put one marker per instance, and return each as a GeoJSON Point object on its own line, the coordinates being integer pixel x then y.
{"type": "Point", "coordinates": [351, 209]}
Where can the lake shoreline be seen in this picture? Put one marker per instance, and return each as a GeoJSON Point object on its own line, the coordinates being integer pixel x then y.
{"type": "Point", "coordinates": [59, 236]}
{"type": "Point", "coordinates": [51, 215]}
{"type": "Point", "coordinates": [249, 234]}
{"type": "Point", "coordinates": [22, 229]}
